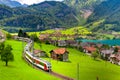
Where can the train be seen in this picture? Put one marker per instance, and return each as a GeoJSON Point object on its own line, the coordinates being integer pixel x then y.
{"type": "Point", "coordinates": [29, 56]}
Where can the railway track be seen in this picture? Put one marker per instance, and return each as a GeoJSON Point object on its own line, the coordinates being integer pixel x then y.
{"type": "Point", "coordinates": [50, 72]}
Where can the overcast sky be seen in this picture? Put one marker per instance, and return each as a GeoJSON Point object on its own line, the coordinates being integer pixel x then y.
{"type": "Point", "coordinates": [29, 2]}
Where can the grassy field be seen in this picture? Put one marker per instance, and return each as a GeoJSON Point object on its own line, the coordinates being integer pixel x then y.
{"type": "Point", "coordinates": [89, 68]}
{"type": "Point", "coordinates": [70, 31]}
{"type": "Point", "coordinates": [19, 69]}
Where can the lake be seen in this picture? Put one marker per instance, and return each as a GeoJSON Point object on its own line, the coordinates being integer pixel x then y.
{"type": "Point", "coordinates": [108, 42]}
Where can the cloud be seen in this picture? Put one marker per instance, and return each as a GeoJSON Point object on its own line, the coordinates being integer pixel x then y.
{"type": "Point", "coordinates": [29, 2]}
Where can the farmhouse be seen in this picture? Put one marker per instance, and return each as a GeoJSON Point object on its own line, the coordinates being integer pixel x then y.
{"type": "Point", "coordinates": [59, 54]}
{"type": "Point", "coordinates": [43, 36]}
{"type": "Point", "coordinates": [106, 53]}
{"type": "Point", "coordinates": [89, 49]}
{"type": "Point", "coordinates": [39, 53]}
{"type": "Point", "coordinates": [115, 58]}
{"type": "Point", "coordinates": [62, 43]}
{"type": "Point", "coordinates": [72, 43]}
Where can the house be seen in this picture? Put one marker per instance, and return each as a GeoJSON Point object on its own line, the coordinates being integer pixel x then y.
{"type": "Point", "coordinates": [72, 43]}
{"type": "Point", "coordinates": [62, 43]}
{"type": "Point", "coordinates": [43, 36]}
{"type": "Point", "coordinates": [115, 58]}
{"type": "Point", "coordinates": [106, 53]}
{"type": "Point", "coordinates": [89, 49]}
{"type": "Point", "coordinates": [59, 54]}
{"type": "Point", "coordinates": [39, 53]}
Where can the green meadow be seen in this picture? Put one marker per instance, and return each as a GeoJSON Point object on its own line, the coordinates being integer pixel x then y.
{"type": "Point", "coordinates": [19, 69]}
{"type": "Point", "coordinates": [70, 31]}
{"type": "Point", "coordinates": [89, 69]}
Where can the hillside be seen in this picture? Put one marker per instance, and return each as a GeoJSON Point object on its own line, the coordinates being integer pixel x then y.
{"type": "Point", "coordinates": [11, 3]}
{"type": "Point", "coordinates": [109, 12]}
{"type": "Point", "coordinates": [42, 16]}
{"type": "Point", "coordinates": [83, 8]}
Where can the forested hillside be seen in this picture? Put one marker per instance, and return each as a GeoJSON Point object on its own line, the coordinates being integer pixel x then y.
{"type": "Point", "coordinates": [45, 15]}
{"type": "Point", "coordinates": [108, 12]}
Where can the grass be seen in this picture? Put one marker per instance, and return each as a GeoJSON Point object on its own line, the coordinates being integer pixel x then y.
{"type": "Point", "coordinates": [70, 31]}
{"type": "Point", "coordinates": [19, 69]}
{"type": "Point", "coordinates": [89, 68]}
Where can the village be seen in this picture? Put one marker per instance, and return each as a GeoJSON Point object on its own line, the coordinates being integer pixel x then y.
{"type": "Point", "coordinates": [96, 50]}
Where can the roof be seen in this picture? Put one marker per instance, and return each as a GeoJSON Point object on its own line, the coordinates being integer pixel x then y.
{"type": "Point", "coordinates": [116, 56]}
{"type": "Point", "coordinates": [90, 48]}
{"type": "Point", "coordinates": [37, 51]}
{"type": "Point", "coordinates": [60, 51]}
{"type": "Point", "coordinates": [107, 51]}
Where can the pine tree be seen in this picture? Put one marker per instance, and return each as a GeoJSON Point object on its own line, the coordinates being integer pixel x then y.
{"type": "Point", "coordinates": [20, 33]}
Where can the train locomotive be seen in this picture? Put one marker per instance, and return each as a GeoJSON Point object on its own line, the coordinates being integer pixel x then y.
{"type": "Point", "coordinates": [38, 62]}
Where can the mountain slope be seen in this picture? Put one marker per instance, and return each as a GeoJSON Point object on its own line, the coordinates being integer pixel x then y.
{"type": "Point", "coordinates": [83, 8]}
{"type": "Point", "coordinates": [10, 3]}
{"type": "Point", "coordinates": [46, 15]}
{"type": "Point", "coordinates": [109, 11]}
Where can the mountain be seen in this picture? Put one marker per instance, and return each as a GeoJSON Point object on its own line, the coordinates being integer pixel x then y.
{"type": "Point", "coordinates": [11, 3]}
{"type": "Point", "coordinates": [106, 15]}
{"type": "Point", "coordinates": [83, 8]}
{"type": "Point", "coordinates": [82, 4]}
{"type": "Point", "coordinates": [42, 16]}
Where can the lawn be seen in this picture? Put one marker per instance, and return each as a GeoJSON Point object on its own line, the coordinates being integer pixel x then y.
{"type": "Point", "coordinates": [19, 69]}
{"type": "Point", "coordinates": [89, 68]}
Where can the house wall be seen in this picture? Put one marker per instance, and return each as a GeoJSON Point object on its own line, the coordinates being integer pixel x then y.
{"type": "Point", "coordinates": [42, 54]}
{"type": "Point", "coordinates": [65, 57]}
{"type": "Point", "coordinates": [53, 55]}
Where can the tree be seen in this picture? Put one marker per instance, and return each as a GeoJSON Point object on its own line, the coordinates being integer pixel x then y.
{"type": "Point", "coordinates": [7, 55]}
{"type": "Point", "coordinates": [115, 50]}
{"type": "Point", "coordinates": [95, 55]}
{"type": "Point", "coordinates": [34, 37]}
{"type": "Point", "coordinates": [20, 33]}
{"type": "Point", "coordinates": [2, 45]}
{"type": "Point", "coordinates": [9, 36]}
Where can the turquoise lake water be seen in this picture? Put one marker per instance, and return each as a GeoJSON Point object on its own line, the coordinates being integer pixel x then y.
{"type": "Point", "coordinates": [108, 42]}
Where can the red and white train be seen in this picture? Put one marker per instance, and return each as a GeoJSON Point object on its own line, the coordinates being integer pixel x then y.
{"type": "Point", "coordinates": [38, 62]}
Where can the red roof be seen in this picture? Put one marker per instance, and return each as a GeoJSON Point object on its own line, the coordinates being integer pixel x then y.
{"type": "Point", "coordinates": [37, 51]}
{"type": "Point", "coordinates": [90, 48]}
{"type": "Point", "coordinates": [60, 51]}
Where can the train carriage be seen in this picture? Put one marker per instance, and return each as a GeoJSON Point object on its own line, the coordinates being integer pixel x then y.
{"type": "Point", "coordinates": [43, 64]}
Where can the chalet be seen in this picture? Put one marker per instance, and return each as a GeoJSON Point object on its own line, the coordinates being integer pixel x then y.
{"type": "Point", "coordinates": [106, 53]}
{"type": "Point", "coordinates": [39, 53]}
{"type": "Point", "coordinates": [43, 36]}
{"type": "Point", "coordinates": [115, 58]}
{"type": "Point", "coordinates": [62, 43]}
{"type": "Point", "coordinates": [59, 54]}
{"type": "Point", "coordinates": [72, 43]}
{"type": "Point", "coordinates": [84, 44]}
{"type": "Point", "coordinates": [89, 49]}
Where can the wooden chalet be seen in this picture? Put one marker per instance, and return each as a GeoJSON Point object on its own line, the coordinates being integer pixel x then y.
{"type": "Point", "coordinates": [62, 43]}
{"type": "Point", "coordinates": [115, 58]}
{"type": "Point", "coordinates": [39, 53]}
{"type": "Point", "coordinates": [59, 54]}
{"type": "Point", "coordinates": [89, 49]}
{"type": "Point", "coordinates": [106, 53]}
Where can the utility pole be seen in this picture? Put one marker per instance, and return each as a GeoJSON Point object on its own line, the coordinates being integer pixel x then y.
{"type": "Point", "coordinates": [23, 46]}
{"type": "Point", "coordinates": [77, 71]}
{"type": "Point", "coordinates": [33, 50]}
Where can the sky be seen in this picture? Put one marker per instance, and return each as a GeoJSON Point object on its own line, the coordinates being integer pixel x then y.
{"type": "Point", "coordinates": [29, 2]}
